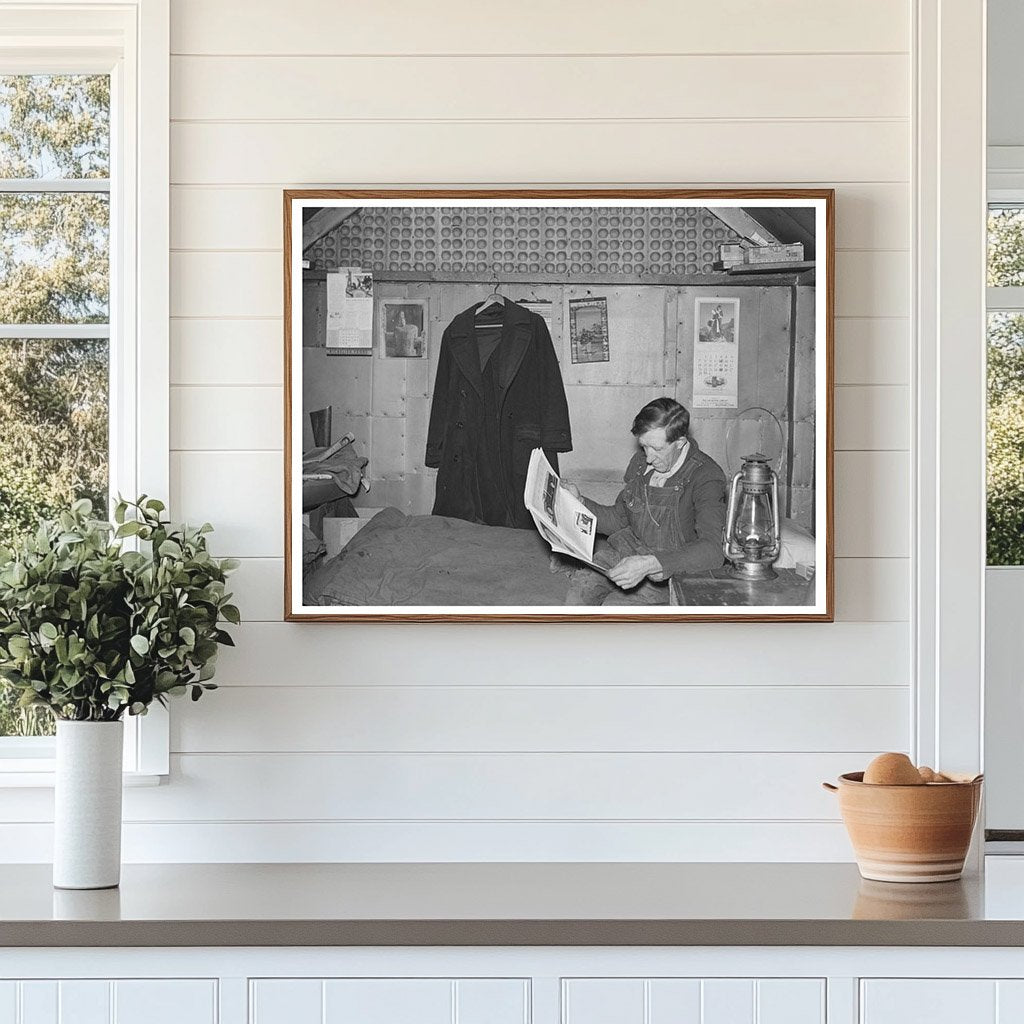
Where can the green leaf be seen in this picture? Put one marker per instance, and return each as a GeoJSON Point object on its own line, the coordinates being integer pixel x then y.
{"type": "Point", "coordinates": [140, 644]}
{"type": "Point", "coordinates": [188, 634]}
{"type": "Point", "coordinates": [205, 650]}
{"type": "Point", "coordinates": [49, 631]}
{"type": "Point", "coordinates": [133, 560]}
{"type": "Point", "coordinates": [231, 613]}
{"type": "Point", "coordinates": [170, 549]}
{"type": "Point", "coordinates": [18, 646]}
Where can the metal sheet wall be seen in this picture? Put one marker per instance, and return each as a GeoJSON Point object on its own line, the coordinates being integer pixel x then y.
{"type": "Point", "coordinates": [385, 402]}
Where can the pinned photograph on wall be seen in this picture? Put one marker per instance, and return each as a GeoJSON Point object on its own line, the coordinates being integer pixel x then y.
{"type": "Point", "coordinates": [717, 320]}
{"type": "Point", "coordinates": [588, 330]}
{"type": "Point", "coordinates": [403, 328]}
{"type": "Point", "coordinates": [544, 309]}
{"type": "Point", "coordinates": [486, 454]}
{"type": "Point", "coordinates": [716, 353]}
{"type": "Point", "coordinates": [358, 283]}
{"type": "Point", "coordinates": [349, 311]}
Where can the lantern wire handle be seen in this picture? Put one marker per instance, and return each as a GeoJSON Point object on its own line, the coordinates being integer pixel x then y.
{"type": "Point", "coordinates": [774, 461]}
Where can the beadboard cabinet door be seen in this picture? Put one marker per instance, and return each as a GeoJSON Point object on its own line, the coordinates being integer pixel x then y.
{"type": "Point", "coordinates": [693, 1001]}
{"type": "Point", "coordinates": [101, 1001]}
{"type": "Point", "coordinates": [388, 1001]}
{"type": "Point", "coordinates": [941, 1001]}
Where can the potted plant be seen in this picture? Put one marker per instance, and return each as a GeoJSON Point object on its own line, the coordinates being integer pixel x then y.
{"type": "Point", "coordinates": [92, 630]}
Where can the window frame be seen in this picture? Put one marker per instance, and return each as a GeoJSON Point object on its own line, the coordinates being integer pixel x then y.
{"type": "Point", "coordinates": [1002, 299]}
{"type": "Point", "coordinates": [1002, 712]}
{"type": "Point", "coordinates": [130, 41]}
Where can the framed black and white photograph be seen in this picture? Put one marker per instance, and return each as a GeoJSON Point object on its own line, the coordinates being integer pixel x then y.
{"type": "Point", "coordinates": [580, 406]}
{"type": "Point", "coordinates": [402, 326]}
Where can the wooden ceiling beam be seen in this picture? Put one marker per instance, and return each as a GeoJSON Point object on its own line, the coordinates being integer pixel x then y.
{"type": "Point", "coordinates": [742, 223]}
{"type": "Point", "coordinates": [324, 221]}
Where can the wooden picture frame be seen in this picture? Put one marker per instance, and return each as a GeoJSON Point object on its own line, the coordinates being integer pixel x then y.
{"type": "Point", "coordinates": [369, 531]}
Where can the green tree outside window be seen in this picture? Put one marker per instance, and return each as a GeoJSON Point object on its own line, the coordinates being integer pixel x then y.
{"type": "Point", "coordinates": [54, 271]}
{"type": "Point", "coordinates": [1005, 480]}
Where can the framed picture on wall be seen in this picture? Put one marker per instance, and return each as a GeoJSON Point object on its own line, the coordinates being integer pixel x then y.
{"type": "Point", "coordinates": [402, 328]}
{"type": "Point", "coordinates": [608, 405]}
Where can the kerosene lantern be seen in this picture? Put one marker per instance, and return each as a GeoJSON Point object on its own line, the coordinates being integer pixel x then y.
{"type": "Point", "coordinates": [751, 540]}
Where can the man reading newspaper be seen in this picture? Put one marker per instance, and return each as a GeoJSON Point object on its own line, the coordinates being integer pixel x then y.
{"type": "Point", "coordinates": [669, 518]}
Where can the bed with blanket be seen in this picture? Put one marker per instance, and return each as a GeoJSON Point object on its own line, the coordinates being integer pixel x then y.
{"type": "Point", "coordinates": [432, 560]}
{"type": "Point", "coordinates": [396, 559]}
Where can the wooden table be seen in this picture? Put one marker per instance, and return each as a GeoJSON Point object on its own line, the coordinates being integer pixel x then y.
{"type": "Point", "coordinates": [719, 587]}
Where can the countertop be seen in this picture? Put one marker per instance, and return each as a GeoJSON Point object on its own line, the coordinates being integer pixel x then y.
{"type": "Point", "coordinates": [558, 904]}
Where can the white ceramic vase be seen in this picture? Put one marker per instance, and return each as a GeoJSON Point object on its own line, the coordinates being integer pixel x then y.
{"type": "Point", "coordinates": [87, 805]}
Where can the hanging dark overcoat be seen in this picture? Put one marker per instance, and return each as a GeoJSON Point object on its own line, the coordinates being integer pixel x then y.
{"type": "Point", "coordinates": [529, 403]}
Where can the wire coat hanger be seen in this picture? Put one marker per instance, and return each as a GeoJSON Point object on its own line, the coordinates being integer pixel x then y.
{"type": "Point", "coordinates": [495, 298]}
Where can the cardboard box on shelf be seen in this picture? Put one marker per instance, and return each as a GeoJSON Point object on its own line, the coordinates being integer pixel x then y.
{"type": "Point", "coordinates": [789, 253]}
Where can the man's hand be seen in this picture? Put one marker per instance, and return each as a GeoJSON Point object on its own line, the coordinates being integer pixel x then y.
{"type": "Point", "coordinates": [632, 569]}
{"type": "Point", "coordinates": [572, 489]}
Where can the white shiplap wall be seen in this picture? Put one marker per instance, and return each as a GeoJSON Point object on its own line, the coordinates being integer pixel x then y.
{"type": "Point", "coordinates": [599, 742]}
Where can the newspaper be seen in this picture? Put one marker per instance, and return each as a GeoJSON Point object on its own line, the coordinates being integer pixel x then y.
{"type": "Point", "coordinates": [349, 310]}
{"type": "Point", "coordinates": [562, 520]}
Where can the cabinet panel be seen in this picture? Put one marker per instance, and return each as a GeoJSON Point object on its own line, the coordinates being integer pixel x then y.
{"type": "Point", "coordinates": [790, 1001]}
{"type": "Point", "coordinates": [38, 1002]}
{"type": "Point", "coordinates": [674, 1000]}
{"type": "Point", "coordinates": [102, 1001]}
{"type": "Point", "coordinates": [603, 1001]}
{"type": "Point", "coordinates": [84, 1002]}
{"type": "Point", "coordinates": [8, 1002]}
{"type": "Point", "coordinates": [1009, 1002]}
{"type": "Point", "coordinates": [388, 1001]}
{"type": "Point", "coordinates": [928, 1001]}
{"type": "Point", "coordinates": [693, 1001]}
{"type": "Point", "coordinates": [165, 1002]}
{"type": "Point", "coordinates": [728, 1001]}
{"type": "Point", "coordinates": [492, 1001]}
{"type": "Point", "coordinates": [274, 1000]}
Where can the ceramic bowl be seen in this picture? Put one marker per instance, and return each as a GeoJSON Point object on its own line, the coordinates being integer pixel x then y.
{"type": "Point", "coordinates": [909, 833]}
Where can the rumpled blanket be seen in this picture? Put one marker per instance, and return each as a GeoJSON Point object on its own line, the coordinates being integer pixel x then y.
{"type": "Point", "coordinates": [433, 560]}
{"type": "Point", "coordinates": [345, 466]}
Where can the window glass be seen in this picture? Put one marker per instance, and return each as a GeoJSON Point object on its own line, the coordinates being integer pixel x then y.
{"type": "Point", "coordinates": [1005, 246]}
{"type": "Point", "coordinates": [54, 257]}
{"type": "Point", "coordinates": [54, 274]}
{"type": "Point", "coordinates": [54, 126]}
{"type": "Point", "coordinates": [1005, 485]}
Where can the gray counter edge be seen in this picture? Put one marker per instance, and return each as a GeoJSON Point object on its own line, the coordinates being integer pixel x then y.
{"type": "Point", "coordinates": [510, 933]}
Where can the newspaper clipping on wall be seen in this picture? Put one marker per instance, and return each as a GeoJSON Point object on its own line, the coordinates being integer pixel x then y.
{"type": "Point", "coordinates": [349, 310]}
{"type": "Point", "coordinates": [588, 330]}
